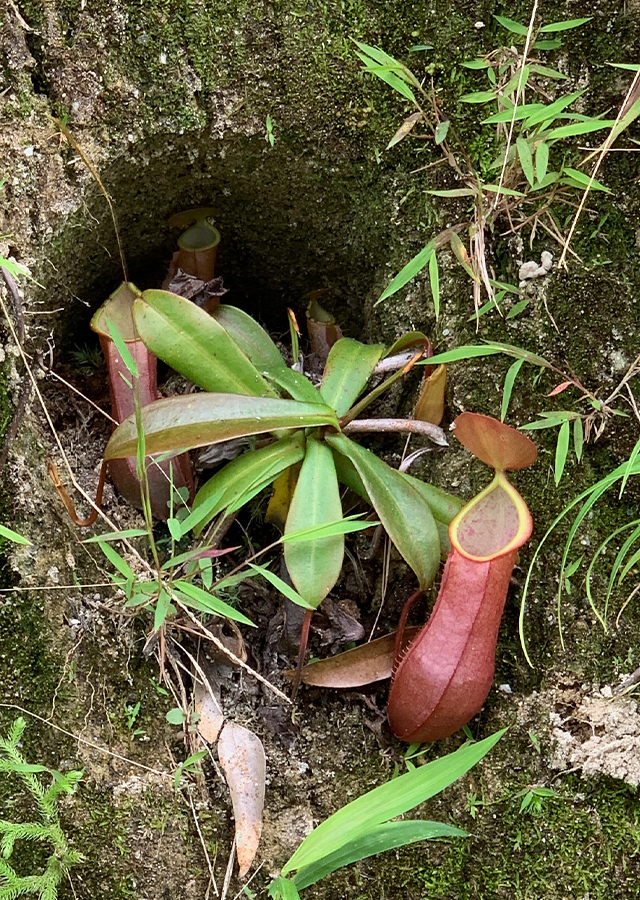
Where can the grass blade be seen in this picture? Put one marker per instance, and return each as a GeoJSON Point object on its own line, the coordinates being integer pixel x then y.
{"type": "Point", "coordinates": [509, 381]}
{"type": "Point", "coordinates": [562, 448]}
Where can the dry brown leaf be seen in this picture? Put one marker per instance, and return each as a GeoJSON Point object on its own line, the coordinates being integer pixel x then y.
{"type": "Point", "coordinates": [243, 762]}
{"type": "Point", "coordinates": [430, 405]}
{"type": "Point", "coordinates": [207, 706]}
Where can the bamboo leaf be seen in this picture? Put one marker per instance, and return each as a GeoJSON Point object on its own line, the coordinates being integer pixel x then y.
{"type": "Point", "coordinates": [163, 607]}
{"type": "Point", "coordinates": [506, 115]}
{"type": "Point", "coordinates": [442, 129]}
{"type": "Point", "coordinates": [349, 366]}
{"type": "Point", "coordinates": [581, 180]}
{"type": "Point", "coordinates": [117, 561]}
{"type": "Point", "coordinates": [546, 72]}
{"type": "Point", "coordinates": [512, 26]}
{"type": "Point", "coordinates": [405, 129]}
{"type": "Point", "coordinates": [314, 566]}
{"type": "Point", "coordinates": [578, 437]}
{"type": "Point", "coordinates": [195, 420]}
{"type": "Point", "coordinates": [386, 802]}
{"type": "Point", "coordinates": [517, 308]}
{"type": "Point", "coordinates": [565, 25]}
{"type": "Point", "coordinates": [549, 112]}
{"type": "Point", "coordinates": [526, 160]}
{"type": "Point", "coordinates": [562, 448]}
{"type": "Point", "coordinates": [547, 45]}
{"type": "Point", "coordinates": [314, 532]}
{"type": "Point", "coordinates": [476, 64]}
{"type": "Point", "coordinates": [564, 131]}
{"type": "Point", "coordinates": [404, 513]}
{"type": "Point", "coordinates": [411, 269]}
{"type": "Point", "coordinates": [284, 588]}
{"type": "Point", "coordinates": [542, 160]}
{"type": "Point", "coordinates": [454, 192]}
{"type": "Point", "coordinates": [192, 595]}
{"type": "Point", "coordinates": [509, 381]}
{"type": "Point", "coordinates": [478, 97]}
{"type": "Point", "coordinates": [13, 536]}
{"type": "Point", "coordinates": [434, 281]}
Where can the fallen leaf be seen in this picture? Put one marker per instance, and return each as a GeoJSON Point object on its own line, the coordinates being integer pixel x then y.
{"type": "Point", "coordinates": [354, 668]}
{"type": "Point", "coordinates": [243, 762]}
{"type": "Point", "coordinates": [207, 706]}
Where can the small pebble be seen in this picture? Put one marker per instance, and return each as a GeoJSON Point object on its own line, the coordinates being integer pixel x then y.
{"type": "Point", "coordinates": [505, 688]}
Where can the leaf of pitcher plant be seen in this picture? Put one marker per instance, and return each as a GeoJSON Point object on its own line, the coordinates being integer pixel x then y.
{"type": "Point", "coordinates": [314, 566]}
{"type": "Point", "coordinates": [350, 365]}
{"type": "Point", "coordinates": [195, 420]}
{"type": "Point", "coordinates": [496, 444]}
{"type": "Point", "coordinates": [404, 513]}
{"type": "Point", "coordinates": [195, 344]}
{"type": "Point", "coordinates": [251, 337]}
{"type": "Point", "coordinates": [365, 664]}
{"type": "Point", "coordinates": [241, 479]}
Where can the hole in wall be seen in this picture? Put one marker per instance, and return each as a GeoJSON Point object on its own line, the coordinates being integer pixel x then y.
{"type": "Point", "coordinates": [290, 224]}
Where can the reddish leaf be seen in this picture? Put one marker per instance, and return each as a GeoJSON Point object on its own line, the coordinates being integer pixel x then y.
{"type": "Point", "coordinates": [496, 444]}
{"type": "Point", "coordinates": [430, 405]}
{"type": "Point", "coordinates": [211, 718]}
{"type": "Point", "coordinates": [560, 388]}
{"type": "Point", "coordinates": [322, 328]}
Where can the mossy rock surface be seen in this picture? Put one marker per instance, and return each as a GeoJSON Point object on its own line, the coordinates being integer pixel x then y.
{"type": "Point", "coordinates": [169, 102]}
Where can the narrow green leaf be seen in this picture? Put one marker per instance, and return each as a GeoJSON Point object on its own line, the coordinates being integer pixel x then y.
{"type": "Point", "coordinates": [162, 609]}
{"type": "Point", "coordinates": [292, 383]}
{"type": "Point", "coordinates": [526, 160]}
{"type": "Point", "coordinates": [195, 420]}
{"type": "Point", "coordinates": [467, 351]}
{"type": "Point", "coordinates": [442, 129]}
{"type": "Point", "coordinates": [314, 567]}
{"type": "Point", "coordinates": [542, 160]}
{"type": "Point", "coordinates": [505, 286]}
{"type": "Point", "coordinates": [116, 535]}
{"type": "Point", "coordinates": [408, 272]}
{"type": "Point", "coordinates": [206, 602]}
{"type": "Point", "coordinates": [404, 513]}
{"type": "Point", "coordinates": [509, 381]}
{"type": "Point", "coordinates": [478, 97]}
{"type": "Point", "coordinates": [573, 567]}
{"type": "Point", "coordinates": [434, 281]}
{"type": "Point", "coordinates": [13, 536]}
{"type": "Point", "coordinates": [565, 25]}
{"type": "Point", "coordinates": [341, 526]}
{"type": "Point", "coordinates": [519, 80]}
{"type": "Point", "coordinates": [546, 72]}
{"type": "Point", "coordinates": [506, 115]}
{"type": "Point", "coordinates": [284, 588]}
{"type": "Point", "coordinates": [543, 423]}
{"type": "Point", "coordinates": [377, 840]}
{"type": "Point", "coordinates": [582, 180]}
{"type": "Point", "coordinates": [547, 45]}
{"type": "Point", "coordinates": [195, 344]}
{"type": "Point", "coordinates": [517, 308]}
{"type": "Point", "coordinates": [116, 560]}
{"type": "Point", "coordinates": [512, 26]}
{"type": "Point", "coordinates": [630, 67]}
{"type": "Point", "coordinates": [454, 192]}
{"type": "Point", "coordinates": [476, 64]}
{"type": "Point", "coordinates": [283, 889]}
{"type": "Point", "coordinates": [550, 111]}
{"type": "Point", "coordinates": [564, 131]}
{"type": "Point", "coordinates": [497, 189]}
{"type": "Point", "coordinates": [242, 479]}
{"type": "Point", "coordinates": [359, 817]}
{"type": "Point", "coordinates": [578, 438]}
{"type": "Point", "coordinates": [349, 366]}
{"type": "Point", "coordinates": [122, 348]}
{"type": "Point", "coordinates": [562, 448]}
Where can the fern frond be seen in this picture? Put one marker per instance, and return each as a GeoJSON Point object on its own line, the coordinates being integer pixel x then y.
{"type": "Point", "coordinates": [17, 730]}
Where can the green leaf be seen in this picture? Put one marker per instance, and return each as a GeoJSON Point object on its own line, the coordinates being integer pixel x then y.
{"type": "Point", "coordinates": [242, 479]}
{"type": "Point", "coordinates": [512, 26]}
{"type": "Point", "coordinates": [195, 344]}
{"type": "Point", "coordinates": [546, 72]}
{"type": "Point", "coordinates": [175, 529]}
{"type": "Point", "coordinates": [564, 26]}
{"type": "Point", "coordinates": [251, 337]}
{"type": "Point", "coordinates": [582, 180]}
{"type": "Point", "coordinates": [293, 383]}
{"type": "Point", "coordinates": [478, 97]}
{"type": "Point", "coordinates": [122, 348]}
{"type": "Point", "coordinates": [284, 588]}
{"type": "Point", "coordinates": [175, 716]}
{"type": "Point", "coordinates": [509, 381]}
{"type": "Point", "coordinates": [547, 45]}
{"type": "Point", "coordinates": [476, 64]}
{"type": "Point", "coordinates": [549, 112]}
{"type": "Point", "coordinates": [283, 889]}
{"type": "Point", "coordinates": [562, 448]}
{"type": "Point", "coordinates": [506, 115]}
{"type": "Point", "coordinates": [411, 269]}
{"type": "Point", "coordinates": [314, 567]}
{"type": "Point", "coordinates": [542, 160]}
{"type": "Point", "coordinates": [630, 67]}
{"type": "Point", "coordinates": [498, 189]}
{"type": "Point", "coordinates": [454, 192]}
{"type": "Point", "coordinates": [442, 129]}
{"type": "Point", "coordinates": [341, 526]}
{"type": "Point", "coordinates": [543, 423]}
{"type": "Point", "coordinates": [116, 535]}
{"type": "Point", "coordinates": [163, 607]}
{"type": "Point", "coordinates": [192, 595]}
{"type": "Point", "coordinates": [468, 351]}
{"type": "Point", "coordinates": [377, 840]}
{"type": "Point", "coordinates": [116, 560]}
{"type": "Point", "coordinates": [388, 69]}
{"type": "Point", "coordinates": [434, 281]}
{"type": "Point", "coordinates": [526, 160]}
{"type": "Point", "coordinates": [565, 131]}
{"type": "Point", "coordinates": [517, 308]}
{"type": "Point", "coordinates": [578, 438]}
{"type": "Point", "coordinates": [519, 80]}
{"type": "Point", "coordinates": [13, 536]}
{"type": "Point", "coordinates": [195, 420]}
{"type": "Point", "coordinates": [404, 513]}
{"type": "Point", "coordinates": [376, 807]}
{"type": "Point", "coordinates": [349, 367]}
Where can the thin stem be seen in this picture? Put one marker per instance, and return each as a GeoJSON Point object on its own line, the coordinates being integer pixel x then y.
{"type": "Point", "coordinates": [412, 426]}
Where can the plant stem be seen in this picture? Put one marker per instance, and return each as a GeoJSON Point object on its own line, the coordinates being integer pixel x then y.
{"type": "Point", "coordinates": [413, 426]}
